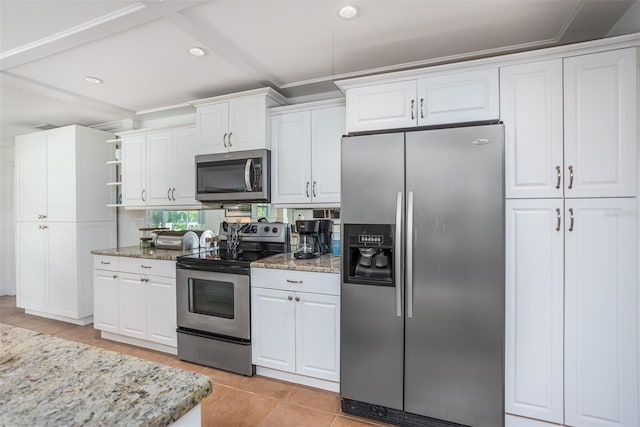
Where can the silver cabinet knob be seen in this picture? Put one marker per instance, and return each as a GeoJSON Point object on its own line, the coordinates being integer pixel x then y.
{"type": "Point", "coordinates": [297, 299]}
{"type": "Point", "coordinates": [289, 297]}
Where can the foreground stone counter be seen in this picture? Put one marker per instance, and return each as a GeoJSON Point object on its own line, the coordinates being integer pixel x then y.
{"type": "Point", "coordinates": [151, 253]}
{"type": "Point", "coordinates": [52, 381]}
{"type": "Point", "coordinates": [324, 264]}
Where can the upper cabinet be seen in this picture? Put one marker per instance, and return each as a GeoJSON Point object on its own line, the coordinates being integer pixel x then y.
{"type": "Point", "coordinates": [58, 173]}
{"type": "Point", "coordinates": [234, 122]}
{"type": "Point", "coordinates": [598, 118]}
{"type": "Point", "coordinates": [305, 153]}
{"type": "Point", "coordinates": [159, 167]}
{"type": "Point", "coordinates": [426, 99]}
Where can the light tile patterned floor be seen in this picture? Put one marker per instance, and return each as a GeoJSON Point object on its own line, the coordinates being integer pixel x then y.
{"type": "Point", "coordinates": [236, 400]}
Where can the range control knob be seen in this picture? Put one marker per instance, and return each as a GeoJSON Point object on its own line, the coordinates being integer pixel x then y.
{"type": "Point", "coordinates": [274, 229]}
{"type": "Point", "coordinates": [266, 229]}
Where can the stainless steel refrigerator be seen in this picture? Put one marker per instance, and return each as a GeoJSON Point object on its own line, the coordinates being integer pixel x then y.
{"type": "Point", "coordinates": [422, 305]}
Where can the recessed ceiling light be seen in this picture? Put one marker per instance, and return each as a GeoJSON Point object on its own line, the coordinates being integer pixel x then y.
{"type": "Point", "coordinates": [94, 80]}
{"type": "Point", "coordinates": [196, 51]}
{"type": "Point", "coordinates": [348, 12]}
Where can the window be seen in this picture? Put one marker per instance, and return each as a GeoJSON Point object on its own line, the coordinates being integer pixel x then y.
{"type": "Point", "coordinates": [177, 220]}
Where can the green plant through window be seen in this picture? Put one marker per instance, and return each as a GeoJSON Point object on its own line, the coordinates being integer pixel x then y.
{"type": "Point", "coordinates": [178, 220]}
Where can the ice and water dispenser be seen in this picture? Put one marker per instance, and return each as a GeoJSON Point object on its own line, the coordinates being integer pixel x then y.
{"type": "Point", "coordinates": [369, 254]}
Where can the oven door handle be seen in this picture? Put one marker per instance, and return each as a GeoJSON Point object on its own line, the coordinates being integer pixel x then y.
{"type": "Point", "coordinates": [247, 174]}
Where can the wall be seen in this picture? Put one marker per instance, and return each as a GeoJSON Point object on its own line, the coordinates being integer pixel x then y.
{"type": "Point", "coordinates": [7, 220]}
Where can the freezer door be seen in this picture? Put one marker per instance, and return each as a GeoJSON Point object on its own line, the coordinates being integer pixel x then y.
{"type": "Point", "coordinates": [454, 330]}
{"type": "Point", "coordinates": [371, 335]}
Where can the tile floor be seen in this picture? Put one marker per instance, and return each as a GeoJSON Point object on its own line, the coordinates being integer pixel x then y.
{"type": "Point", "coordinates": [235, 401]}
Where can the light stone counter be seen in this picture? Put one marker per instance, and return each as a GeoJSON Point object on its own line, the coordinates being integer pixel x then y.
{"type": "Point", "coordinates": [52, 381]}
{"type": "Point", "coordinates": [324, 264]}
{"type": "Point", "coordinates": [151, 253]}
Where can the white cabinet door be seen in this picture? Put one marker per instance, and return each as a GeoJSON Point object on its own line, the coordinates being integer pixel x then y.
{"type": "Point", "coordinates": [159, 168]}
{"type": "Point", "coordinates": [318, 335]}
{"type": "Point", "coordinates": [531, 109]}
{"type": "Point", "coordinates": [106, 300]}
{"type": "Point", "coordinates": [134, 173]}
{"type": "Point", "coordinates": [273, 329]}
{"type": "Point", "coordinates": [62, 169]}
{"type": "Point", "coordinates": [161, 310]}
{"type": "Point", "coordinates": [213, 128]}
{"type": "Point", "coordinates": [327, 128]}
{"type": "Point", "coordinates": [184, 166]}
{"type": "Point", "coordinates": [601, 313]}
{"type": "Point", "coordinates": [534, 309]}
{"type": "Point", "coordinates": [31, 176]}
{"type": "Point", "coordinates": [382, 106]}
{"type": "Point", "coordinates": [133, 305]}
{"type": "Point", "coordinates": [31, 270]}
{"type": "Point", "coordinates": [62, 269]}
{"type": "Point", "coordinates": [458, 97]}
{"type": "Point", "coordinates": [247, 123]}
{"type": "Point", "coordinates": [600, 130]}
{"type": "Point", "coordinates": [291, 158]}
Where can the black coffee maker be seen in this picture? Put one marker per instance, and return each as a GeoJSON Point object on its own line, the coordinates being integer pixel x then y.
{"type": "Point", "coordinates": [325, 227]}
{"type": "Point", "coordinates": [308, 241]}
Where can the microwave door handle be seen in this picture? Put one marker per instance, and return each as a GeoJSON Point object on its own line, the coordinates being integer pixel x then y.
{"type": "Point", "coordinates": [247, 175]}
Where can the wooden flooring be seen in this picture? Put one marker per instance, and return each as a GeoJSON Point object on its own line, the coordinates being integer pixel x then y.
{"type": "Point", "coordinates": [235, 401]}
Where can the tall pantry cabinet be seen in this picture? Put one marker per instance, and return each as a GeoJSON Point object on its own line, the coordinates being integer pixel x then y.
{"type": "Point", "coordinates": [571, 240]}
{"type": "Point", "coordinates": [61, 215]}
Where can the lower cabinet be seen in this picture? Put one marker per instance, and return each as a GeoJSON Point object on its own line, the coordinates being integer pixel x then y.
{"type": "Point", "coordinates": [572, 312]}
{"type": "Point", "coordinates": [294, 327]}
{"type": "Point", "coordinates": [134, 305]}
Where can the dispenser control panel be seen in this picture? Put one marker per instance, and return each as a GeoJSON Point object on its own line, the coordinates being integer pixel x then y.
{"type": "Point", "coordinates": [368, 239]}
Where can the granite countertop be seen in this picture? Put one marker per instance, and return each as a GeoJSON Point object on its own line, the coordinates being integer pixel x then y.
{"type": "Point", "coordinates": [324, 264]}
{"type": "Point", "coordinates": [151, 253]}
{"type": "Point", "coordinates": [52, 381]}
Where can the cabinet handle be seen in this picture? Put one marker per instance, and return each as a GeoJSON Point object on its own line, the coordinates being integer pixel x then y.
{"type": "Point", "coordinates": [105, 262]}
{"type": "Point", "coordinates": [558, 172]}
{"type": "Point", "coordinates": [571, 216]}
{"type": "Point", "coordinates": [289, 297]}
{"type": "Point", "coordinates": [558, 214]}
{"type": "Point", "coordinates": [306, 190]}
{"type": "Point", "coordinates": [224, 139]}
{"type": "Point", "coordinates": [230, 133]}
{"type": "Point", "coordinates": [297, 299]}
{"type": "Point", "coordinates": [44, 227]}
{"type": "Point", "coordinates": [570, 177]}
{"type": "Point", "coordinates": [314, 189]}
{"type": "Point", "coordinates": [145, 266]}
{"type": "Point", "coordinates": [413, 102]}
{"type": "Point", "coordinates": [173, 194]}
{"type": "Point", "coordinates": [142, 193]}
{"type": "Point", "coordinates": [169, 194]}
{"type": "Point", "coordinates": [142, 279]}
{"type": "Point", "coordinates": [294, 281]}
{"type": "Point", "coordinates": [39, 227]}
{"type": "Point", "coordinates": [115, 276]}
{"type": "Point", "coordinates": [422, 108]}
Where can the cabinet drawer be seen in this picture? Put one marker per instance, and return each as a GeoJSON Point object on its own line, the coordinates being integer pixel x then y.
{"type": "Point", "coordinates": [296, 281]}
{"type": "Point", "coordinates": [103, 262]}
{"type": "Point", "coordinates": [152, 267]}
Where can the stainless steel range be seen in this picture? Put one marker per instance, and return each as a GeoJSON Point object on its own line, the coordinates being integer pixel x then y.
{"type": "Point", "coordinates": [213, 294]}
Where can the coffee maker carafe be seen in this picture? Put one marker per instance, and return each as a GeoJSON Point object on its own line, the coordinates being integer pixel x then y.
{"type": "Point", "coordinates": [308, 242]}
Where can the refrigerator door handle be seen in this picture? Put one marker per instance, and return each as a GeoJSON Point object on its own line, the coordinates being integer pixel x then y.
{"type": "Point", "coordinates": [409, 273]}
{"type": "Point", "coordinates": [398, 255]}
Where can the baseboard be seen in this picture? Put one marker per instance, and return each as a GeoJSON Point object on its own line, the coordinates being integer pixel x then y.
{"type": "Point", "coordinates": [82, 322]}
{"type": "Point", "coordinates": [298, 379]}
{"type": "Point", "coordinates": [138, 342]}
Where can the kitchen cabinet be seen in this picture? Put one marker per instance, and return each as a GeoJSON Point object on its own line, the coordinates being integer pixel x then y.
{"type": "Point", "coordinates": [295, 324]}
{"type": "Point", "coordinates": [234, 122]}
{"type": "Point", "coordinates": [572, 321]}
{"type": "Point", "coordinates": [61, 213]}
{"type": "Point", "coordinates": [53, 269]}
{"type": "Point", "coordinates": [135, 299]}
{"type": "Point", "coordinates": [570, 126]}
{"type": "Point", "coordinates": [159, 167]}
{"type": "Point", "coordinates": [305, 144]}
{"type": "Point", "coordinates": [422, 100]}
{"type": "Point", "coordinates": [60, 175]}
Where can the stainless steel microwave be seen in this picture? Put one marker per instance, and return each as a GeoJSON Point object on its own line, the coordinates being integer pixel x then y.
{"type": "Point", "coordinates": [241, 176]}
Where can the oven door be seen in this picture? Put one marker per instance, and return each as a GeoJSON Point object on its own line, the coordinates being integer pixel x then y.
{"type": "Point", "coordinates": [217, 303]}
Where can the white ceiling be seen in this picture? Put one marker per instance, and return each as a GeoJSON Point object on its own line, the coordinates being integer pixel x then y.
{"type": "Point", "coordinates": [139, 49]}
